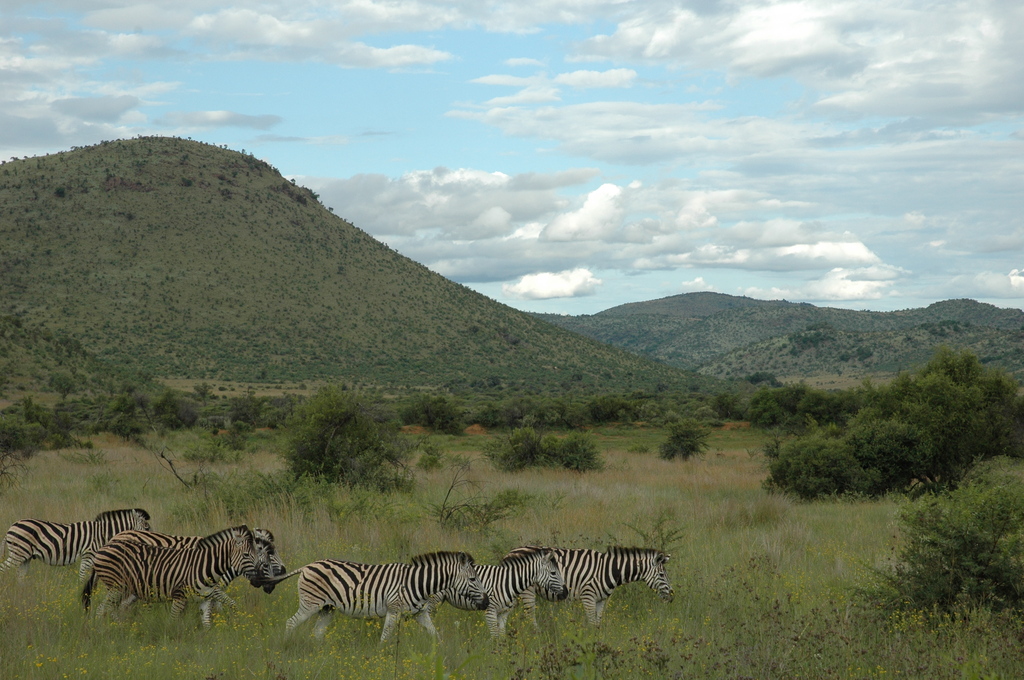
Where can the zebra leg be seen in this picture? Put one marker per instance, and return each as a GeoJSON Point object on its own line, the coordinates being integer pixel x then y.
{"type": "Point", "coordinates": [323, 618]}
{"type": "Point", "coordinates": [595, 611]}
{"type": "Point", "coordinates": [178, 602]}
{"type": "Point", "coordinates": [503, 621]}
{"type": "Point", "coordinates": [391, 619]}
{"type": "Point", "coordinates": [85, 568]}
{"type": "Point", "coordinates": [423, 617]}
{"type": "Point", "coordinates": [529, 600]}
{"type": "Point", "coordinates": [305, 611]}
{"type": "Point", "coordinates": [113, 597]}
{"type": "Point", "coordinates": [494, 622]}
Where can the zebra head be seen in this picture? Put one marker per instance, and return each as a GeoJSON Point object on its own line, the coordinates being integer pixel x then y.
{"type": "Point", "coordinates": [267, 557]}
{"type": "Point", "coordinates": [544, 569]}
{"type": "Point", "coordinates": [649, 565]}
{"type": "Point", "coordinates": [467, 583]}
{"type": "Point", "coordinates": [241, 550]}
{"type": "Point", "coordinates": [141, 518]}
{"type": "Point", "coordinates": [459, 576]}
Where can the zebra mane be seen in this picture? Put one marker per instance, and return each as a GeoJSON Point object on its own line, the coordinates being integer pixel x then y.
{"type": "Point", "coordinates": [523, 553]}
{"type": "Point", "coordinates": [222, 536]}
{"type": "Point", "coordinates": [440, 556]}
{"type": "Point", "coordinates": [108, 514]}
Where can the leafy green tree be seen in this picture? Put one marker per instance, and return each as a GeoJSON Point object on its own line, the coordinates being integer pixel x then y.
{"type": "Point", "coordinates": [63, 384]}
{"type": "Point", "coordinates": [686, 438]}
{"type": "Point", "coordinates": [338, 437]}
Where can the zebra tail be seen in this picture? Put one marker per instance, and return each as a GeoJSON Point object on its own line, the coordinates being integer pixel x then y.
{"type": "Point", "coordinates": [260, 582]}
{"type": "Point", "coordinates": [90, 583]}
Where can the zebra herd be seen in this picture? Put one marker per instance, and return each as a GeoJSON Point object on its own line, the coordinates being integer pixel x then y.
{"type": "Point", "coordinates": [119, 550]}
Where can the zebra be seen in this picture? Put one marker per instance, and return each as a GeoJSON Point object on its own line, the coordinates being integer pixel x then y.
{"type": "Point", "coordinates": [266, 554]}
{"type": "Point", "coordinates": [507, 581]}
{"type": "Point", "coordinates": [132, 570]}
{"type": "Point", "coordinates": [383, 590]}
{"type": "Point", "coordinates": [591, 576]}
{"type": "Point", "coordinates": [62, 544]}
{"type": "Point", "coordinates": [265, 549]}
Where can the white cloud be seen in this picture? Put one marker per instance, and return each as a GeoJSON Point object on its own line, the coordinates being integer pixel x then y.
{"type": "Point", "coordinates": [599, 216]}
{"type": "Point", "coordinates": [619, 77]}
{"type": "Point", "coordinates": [574, 283]}
{"type": "Point", "coordinates": [697, 284]}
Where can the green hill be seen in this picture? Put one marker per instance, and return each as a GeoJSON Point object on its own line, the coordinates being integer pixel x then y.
{"type": "Point", "coordinates": [729, 337]}
{"type": "Point", "coordinates": [192, 261]}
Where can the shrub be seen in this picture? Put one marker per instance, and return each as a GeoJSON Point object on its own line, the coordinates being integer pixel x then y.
{"type": "Point", "coordinates": [524, 447]}
{"type": "Point", "coordinates": [340, 438]}
{"type": "Point", "coordinates": [437, 411]}
{"type": "Point", "coordinates": [963, 548]}
{"type": "Point", "coordinates": [686, 438]}
{"type": "Point", "coordinates": [578, 451]}
{"type": "Point", "coordinates": [819, 464]}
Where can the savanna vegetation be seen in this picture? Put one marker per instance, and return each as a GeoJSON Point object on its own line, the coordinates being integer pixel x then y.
{"type": "Point", "coordinates": [767, 585]}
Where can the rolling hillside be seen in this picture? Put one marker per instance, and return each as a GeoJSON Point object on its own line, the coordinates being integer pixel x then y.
{"type": "Point", "coordinates": [193, 261]}
{"type": "Point", "coordinates": [730, 337]}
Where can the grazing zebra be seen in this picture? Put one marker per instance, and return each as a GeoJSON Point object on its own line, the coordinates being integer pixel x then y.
{"type": "Point", "coordinates": [138, 571]}
{"type": "Point", "coordinates": [61, 544]}
{"type": "Point", "coordinates": [388, 590]}
{"type": "Point", "coordinates": [506, 582]}
{"type": "Point", "coordinates": [591, 576]}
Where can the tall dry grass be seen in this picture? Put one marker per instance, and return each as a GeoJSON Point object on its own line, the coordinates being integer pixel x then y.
{"type": "Point", "coordinates": [762, 582]}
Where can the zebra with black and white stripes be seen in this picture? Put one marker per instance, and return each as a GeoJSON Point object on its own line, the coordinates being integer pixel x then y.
{"type": "Point", "coordinates": [591, 576]}
{"type": "Point", "coordinates": [505, 583]}
{"type": "Point", "coordinates": [266, 551]}
{"type": "Point", "coordinates": [138, 571]}
{"type": "Point", "coordinates": [383, 590]}
{"type": "Point", "coordinates": [60, 544]}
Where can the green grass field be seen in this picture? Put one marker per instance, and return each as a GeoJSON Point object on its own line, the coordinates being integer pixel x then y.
{"type": "Point", "coordinates": [764, 585]}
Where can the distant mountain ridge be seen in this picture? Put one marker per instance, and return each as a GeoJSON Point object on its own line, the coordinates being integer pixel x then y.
{"type": "Point", "coordinates": [189, 260]}
{"type": "Point", "coordinates": [730, 337]}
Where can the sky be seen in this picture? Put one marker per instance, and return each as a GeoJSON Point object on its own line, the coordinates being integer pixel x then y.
{"type": "Point", "coordinates": [568, 156]}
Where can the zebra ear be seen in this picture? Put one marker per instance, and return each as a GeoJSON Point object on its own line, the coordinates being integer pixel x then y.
{"type": "Point", "coordinates": [663, 558]}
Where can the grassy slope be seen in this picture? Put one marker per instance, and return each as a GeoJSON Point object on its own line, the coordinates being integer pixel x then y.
{"type": "Point", "coordinates": [190, 260]}
{"type": "Point", "coordinates": [723, 335]}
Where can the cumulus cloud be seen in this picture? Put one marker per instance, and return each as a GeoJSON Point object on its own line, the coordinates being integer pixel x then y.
{"type": "Point", "coordinates": [543, 286]}
{"type": "Point", "coordinates": [599, 216]}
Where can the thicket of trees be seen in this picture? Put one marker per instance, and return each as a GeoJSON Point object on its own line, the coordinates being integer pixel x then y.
{"type": "Point", "coordinates": [923, 431]}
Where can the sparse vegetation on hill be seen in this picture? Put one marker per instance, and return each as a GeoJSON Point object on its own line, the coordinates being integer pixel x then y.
{"type": "Point", "coordinates": [189, 260]}
{"type": "Point", "coordinates": [732, 337]}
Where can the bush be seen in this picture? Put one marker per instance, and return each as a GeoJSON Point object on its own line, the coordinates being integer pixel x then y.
{"type": "Point", "coordinates": [437, 411]}
{"type": "Point", "coordinates": [962, 549]}
{"type": "Point", "coordinates": [819, 464]}
{"type": "Point", "coordinates": [578, 451]}
{"type": "Point", "coordinates": [686, 438]}
{"type": "Point", "coordinates": [524, 447]}
{"type": "Point", "coordinates": [340, 438]}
